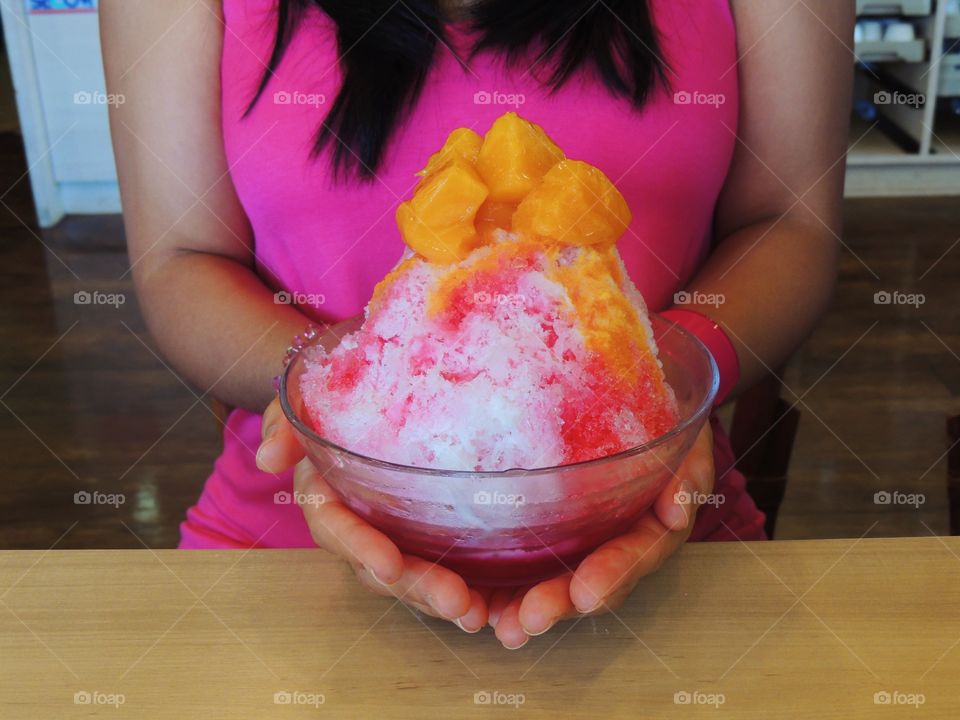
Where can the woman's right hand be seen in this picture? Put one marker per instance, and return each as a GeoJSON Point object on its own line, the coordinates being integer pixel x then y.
{"type": "Point", "coordinates": [377, 562]}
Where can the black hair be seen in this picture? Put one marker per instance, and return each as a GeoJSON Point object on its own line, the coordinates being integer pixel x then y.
{"type": "Point", "coordinates": [386, 49]}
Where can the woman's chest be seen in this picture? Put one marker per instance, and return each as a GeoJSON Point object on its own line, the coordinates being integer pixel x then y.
{"type": "Point", "coordinates": [314, 235]}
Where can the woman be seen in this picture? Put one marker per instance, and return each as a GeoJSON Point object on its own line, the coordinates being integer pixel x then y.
{"type": "Point", "coordinates": [264, 145]}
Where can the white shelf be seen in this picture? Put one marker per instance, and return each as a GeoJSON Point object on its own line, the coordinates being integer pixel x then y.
{"type": "Point", "coordinates": [912, 51]}
{"type": "Point", "coordinates": [878, 167]}
{"type": "Point", "coordinates": [894, 7]}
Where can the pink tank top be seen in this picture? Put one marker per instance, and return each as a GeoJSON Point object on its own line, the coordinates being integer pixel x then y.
{"type": "Point", "coordinates": [333, 242]}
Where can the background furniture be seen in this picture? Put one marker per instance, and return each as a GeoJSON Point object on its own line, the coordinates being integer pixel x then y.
{"type": "Point", "coordinates": [53, 48]}
{"type": "Point", "coordinates": [905, 134]}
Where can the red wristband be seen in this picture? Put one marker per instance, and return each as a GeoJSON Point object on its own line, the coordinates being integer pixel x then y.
{"type": "Point", "coordinates": [717, 342]}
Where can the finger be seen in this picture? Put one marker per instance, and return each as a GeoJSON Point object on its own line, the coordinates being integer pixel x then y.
{"type": "Point", "coordinates": [475, 618]}
{"type": "Point", "coordinates": [545, 604]}
{"type": "Point", "coordinates": [676, 506]}
{"type": "Point", "coordinates": [621, 562]}
{"type": "Point", "coordinates": [472, 621]}
{"type": "Point", "coordinates": [279, 448]}
{"type": "Point", "coordinates": [509, 631]}
{"type": "Point", "coordinates": [435, 586]}
{"type": "Point", "coordinates": [335, 528]}
{"type": "Point", "coordinates": [369, 582]}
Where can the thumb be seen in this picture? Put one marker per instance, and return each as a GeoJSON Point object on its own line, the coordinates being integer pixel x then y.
{"type": "Point", "coordinates": [280, 448]}
{"type": "Point", "coordinates": [676, 506]}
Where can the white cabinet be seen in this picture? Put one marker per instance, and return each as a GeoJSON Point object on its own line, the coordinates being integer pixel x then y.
{"type": "Point", "coordinates": [54, 50]}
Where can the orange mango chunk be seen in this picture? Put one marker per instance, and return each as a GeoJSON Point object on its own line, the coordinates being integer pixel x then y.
{"type": "Point", "coordinates": [575, 204]}
{"type": "Point", "coordinates": [438, 221]}
{"type": "Point", "coordinates": [514, 157]}
{"type": "Point", "coordinates": [462, 144]}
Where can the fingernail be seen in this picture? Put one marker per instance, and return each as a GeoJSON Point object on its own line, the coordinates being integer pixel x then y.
{"type": "Point", "coordinates": [259, 458]}
{"type": "Point", "coordinates": [493, 618]}
{"type": "Point", "coordinates": [682, 511]}
{"type": "Point", "coordinates": [591, 608]}
{"type": "Point", "coordinates": [517, 647]}
{"type": "Point", "coordinates": [535, 634]}
{"type": "Point", "coordinates": [460, 625]}
{"type": "Point", "coordinates": [374, 576]}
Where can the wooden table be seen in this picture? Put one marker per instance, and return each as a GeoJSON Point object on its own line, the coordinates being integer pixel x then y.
{"type": "Point", "coordinates": [761, 630]}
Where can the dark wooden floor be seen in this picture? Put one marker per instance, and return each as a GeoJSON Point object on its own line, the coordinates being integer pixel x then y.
{"type": "Point", "coordinates": [877, 420]}
{"type": "Point", "coordinates": [87, 406]}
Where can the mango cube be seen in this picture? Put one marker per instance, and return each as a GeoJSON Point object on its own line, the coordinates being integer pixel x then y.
{"type": "Point", "coordinates": [514, 157]}
{"type": "Point", "coordinates": [575, 204]}
{"type": "Point", "coordinates": [438, 221]}
{"type": "Point", "coordinates": [462, 144]}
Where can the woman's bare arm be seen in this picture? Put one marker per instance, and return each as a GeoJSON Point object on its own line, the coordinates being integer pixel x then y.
{"type": "Point", "coordinates": [779, 215]}
{"type": "Point", "coordinates": [189, 241]}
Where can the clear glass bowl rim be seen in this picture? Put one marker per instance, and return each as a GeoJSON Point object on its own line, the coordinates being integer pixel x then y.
{"type": "Point", "coordinates": [702, 409]}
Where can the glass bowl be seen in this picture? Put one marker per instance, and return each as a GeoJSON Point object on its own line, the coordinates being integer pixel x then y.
{"type": "Point", "coordinates": [520, 526]}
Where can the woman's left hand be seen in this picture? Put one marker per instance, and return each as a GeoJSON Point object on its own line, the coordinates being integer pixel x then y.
{"type": "Point", "coordinates": [607, 576]}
